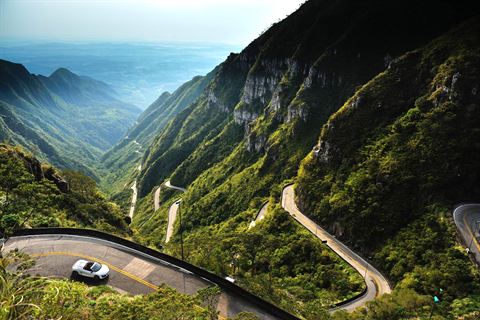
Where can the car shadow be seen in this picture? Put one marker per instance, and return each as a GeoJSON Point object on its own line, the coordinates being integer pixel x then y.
{"type": "Point", "coordinates": [89, 281]}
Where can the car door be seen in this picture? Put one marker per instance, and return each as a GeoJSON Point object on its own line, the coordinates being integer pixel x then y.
{"type": "Point", "coordinates": [83, 272]}
{"type": "Point", "coordinates": [89, 273]}
{"type": "Point", "coordinates": [86, 273]}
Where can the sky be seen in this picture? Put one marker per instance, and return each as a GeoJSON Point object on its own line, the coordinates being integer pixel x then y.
{"type": "Point", "coordinates": [221, 21]}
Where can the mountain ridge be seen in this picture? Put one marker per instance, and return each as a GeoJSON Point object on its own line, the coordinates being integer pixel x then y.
{"type": "Point", "coordinates": [247, 134]}
{"type": "Point", "coordinates": [65, 118]}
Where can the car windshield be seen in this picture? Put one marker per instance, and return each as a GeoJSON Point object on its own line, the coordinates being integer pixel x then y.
{"type": "Point", "coordinates": [96, 266]}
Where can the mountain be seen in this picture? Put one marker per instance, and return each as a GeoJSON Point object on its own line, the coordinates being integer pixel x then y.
{"type": "Point", "coordinates": [67, 119]}
{"type": "Point", "coordinates": [77, 89]}
{"type": "Point", "coordinates": [245, 136]}
{"type": "Point", "coordinates": [126, 154]}
{"type": "Point", "coordinates": [36, 194]}
{"type": "Point", "coordinates": [397, 156]}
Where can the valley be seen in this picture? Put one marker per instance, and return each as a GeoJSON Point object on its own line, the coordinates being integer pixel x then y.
{"type": "Point", "coordinates": [329, 170]}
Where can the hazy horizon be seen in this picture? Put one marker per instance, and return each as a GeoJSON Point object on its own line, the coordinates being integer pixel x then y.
{"type": "Point", "coordinates": [139, 72]}
{"type": "Point", "coordinates": [144, 21]}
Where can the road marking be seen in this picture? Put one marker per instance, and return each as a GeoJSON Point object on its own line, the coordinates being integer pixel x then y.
{"type": "Point", "coordinates": [139, 267]}
{"type": "Point", "coordinates": [471, 233]}
{"type": "Point", "coordinates": [112, 267]}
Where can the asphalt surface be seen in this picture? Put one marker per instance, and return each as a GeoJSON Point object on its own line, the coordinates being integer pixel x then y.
{"type": "Point", "coordinates": [377, 285]}
{"type": "Point", "coordinates": [260, 215]}
{"type": "Point", "coordinates": [134, 199]}
{"type": "Point", "coordinates": [131, 271]}
{"type": "Point", "coordinates": [169, 185]}
{"type": "Point", "coordinates": [467, 220]}
{"type": "Point", "coordinates": [156, 199]}
{"type": "Point", "coordinates": [172, 216]}
{"type": "Point", "coordinates": [172, 212]}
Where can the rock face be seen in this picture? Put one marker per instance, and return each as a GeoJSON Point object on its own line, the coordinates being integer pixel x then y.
{"type": "Point", "coordinates": [295, 112]}
{"type": "Point", "coordinates": [61, 184]}
{"type": "Point", "coordinates": [243, 117]}
{"type": "Point", "coordinates": [322, 152]}
{"type": "Point", "coordinates": [214, 102]}
{"type": "Point", "coordinates": [254, 143]}
{"type": "Point", "coordinates": [276, 94]}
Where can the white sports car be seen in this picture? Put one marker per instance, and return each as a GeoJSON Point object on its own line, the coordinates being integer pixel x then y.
{"type": "Point", "coordinates": [90, 269]}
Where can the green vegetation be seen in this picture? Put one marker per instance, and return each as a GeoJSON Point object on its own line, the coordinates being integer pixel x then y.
{"type": "Point", "coordinates": [394, 160]}
{"type": "Point", "coordinates": [398, 148]}
{"type": "Point", "coordinates": [276, 260]}
{"type": "Point", "coordinates": [36, 195]}
{"type": "Point", "coordinates": [65, 119]}
{"type": "Point", "coordinates": [122, 160]}
{"type": "Point", "coordinates": [258, 117]}
{"type": "Point", "coordinates": [26, 297]}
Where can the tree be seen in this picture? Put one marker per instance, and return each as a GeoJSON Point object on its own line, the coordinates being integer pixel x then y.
{"type": "Point", "coordinates": [80, 183]}
{"type": "Point", "coordinates": [209, 298]}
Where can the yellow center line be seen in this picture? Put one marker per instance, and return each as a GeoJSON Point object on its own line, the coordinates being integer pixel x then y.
{"type": "Point", "coordinates": [112, 267]}
{"type": "Point", "coordinates": [471, 233]}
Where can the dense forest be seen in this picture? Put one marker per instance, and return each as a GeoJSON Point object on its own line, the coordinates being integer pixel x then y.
{"type": "Point", "coordinates": [386, 94]}
{"type": "Point", "coordinates": [35, 194]}
{"type": "Point", "coordinates": [245, 136]}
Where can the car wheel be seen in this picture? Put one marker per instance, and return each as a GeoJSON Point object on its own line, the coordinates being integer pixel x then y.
{"type": "Point", "coordinates": [96, 278]}
{"type": "Point", "coordinates": [75, 274]}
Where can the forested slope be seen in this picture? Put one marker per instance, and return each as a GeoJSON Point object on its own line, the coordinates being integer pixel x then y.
{"type": "Point", "coordinates": [394, 160]}
{"type": "Point", "coordinates": [66, 119]}
{"type": "Point", "coordinates": [246, 135]}
{"type": "Point", "coordinates": [122, 160]}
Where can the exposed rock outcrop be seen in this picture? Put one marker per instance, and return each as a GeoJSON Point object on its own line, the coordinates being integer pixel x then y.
{"type": "Point", "coordinates": [244, 117]}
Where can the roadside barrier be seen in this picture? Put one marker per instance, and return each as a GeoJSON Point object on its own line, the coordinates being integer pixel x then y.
{"type": "Point", "coordinates": [219, 281]}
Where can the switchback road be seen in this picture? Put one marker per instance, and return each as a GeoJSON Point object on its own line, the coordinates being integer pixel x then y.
{"type": "Point", "coordinates": [467, 220]}
{"type": "Point", "coordinates": [132, 271]}
{"type": "Point", "coordinates": [134, 199]}
{"type": "Point", "coordinates": [260, 215]}
{"type": "Point", "coordinates": [377, 285]}
{"type": "Point", "coordinates": [156, 198]}
{"type": "Point", "coordinates": [172, 212]}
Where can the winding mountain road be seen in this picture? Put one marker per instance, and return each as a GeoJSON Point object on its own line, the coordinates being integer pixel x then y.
{"type": "Point", "coordinates": [132, 271]}
{"type": "Point", "coordinates": [169, 185]}
{"type": "Point", "coordinates": [172, 212]}
{"type": "Point", "coordinates": [376, 283]}
{"type": "Point", "coordinates": [134, 199]}
{"type": "Point", "coordinates": [172, 216]}
{"type": "Point", "coordinates": [260, 215]}
{"type": "Point", "coordinates": [156, 199]}
{"type": "Point", "coordinates": [467, 220]}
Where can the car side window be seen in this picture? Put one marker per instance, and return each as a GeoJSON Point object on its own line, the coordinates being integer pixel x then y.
{"type": "Point", "coordinates": [88, 266]}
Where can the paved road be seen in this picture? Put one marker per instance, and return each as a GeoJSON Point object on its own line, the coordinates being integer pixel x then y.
{"type": "Point", "coordinates": [169, 185]}
{"type": "Point", "coordinates": [134, 199]}
{"type": "Point", "coordinates": [172, 212]}
{"type": "Point", "coordinates": [467, 220]}
{"type": "Point", "coordinates": [172, 216]}
{"type": "Point", "coordinates": [156, 198]}
{"type": "Point", "coordinates": [376, 284]}
{"type": "Point", "coordinates": [260, 215]}
{"type": "Point", "coordinates": [131, 271]}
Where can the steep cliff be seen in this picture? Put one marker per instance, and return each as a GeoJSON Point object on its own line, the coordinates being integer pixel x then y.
{"type": "Point", "coordinates": [261, 115]}
{"type": "Point", "coordinates": [398, 155]}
